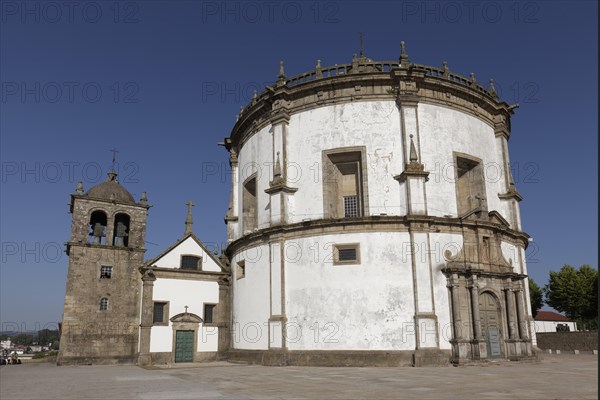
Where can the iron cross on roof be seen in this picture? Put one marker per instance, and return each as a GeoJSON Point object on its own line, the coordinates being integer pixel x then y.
{"type": "Point", "coordinates": [114, 158]}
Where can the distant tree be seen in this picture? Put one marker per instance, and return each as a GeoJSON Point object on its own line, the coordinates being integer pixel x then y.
{"type": "Point", "coordinates": [575, 292]}
{"type": "Point", "coordinates": [23, 339]}
{"type": "Point", "coordinates": [536, 295]}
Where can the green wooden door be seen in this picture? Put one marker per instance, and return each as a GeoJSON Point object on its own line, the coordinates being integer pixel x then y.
{"type": "Point", "coordinates": [184, 346]}
{"type": "Point", "coordinates": [490, 324]}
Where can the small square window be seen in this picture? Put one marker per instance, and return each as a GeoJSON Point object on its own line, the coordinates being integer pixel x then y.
{"type": "Point", "coordinates": [191, 262]}
{"type": "Point", "coordinates": [209, 310]}
{"type": "Point", "coordinates": [240, 270]}
{"type": "Point", "coordinates": [105, 272]}
{"type": "Point", "coordinates": [346, 254]}
{"type": "Point", "coordinates": [160, 314]}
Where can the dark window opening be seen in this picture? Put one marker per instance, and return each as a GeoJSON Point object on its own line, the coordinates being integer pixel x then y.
{"type": "Point", "coordinates": [249, 206]}
{"type": "Point", "coordinates": [209, 310]}
{"type": "Point", "coordinates": [346, 254]}
{"type": "Point", "coordinates": [190, 262]}
{"type": "Point", "coordinates": [159, 314]}
{"type": "Point", "coordinates": [470, 185]}
{"type": "Point", "coordinates": [103, 304]}
{"type": "Point", "coordinates": [97, 233]}
{"type": "Point", "coordinates": [105, 272]}
{"type": "Point", "coordinates": [343, 185]}
{"type": "Point", "coordinates": [121, 237]}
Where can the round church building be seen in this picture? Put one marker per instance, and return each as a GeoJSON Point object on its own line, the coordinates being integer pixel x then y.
{"type": "Point", "coordinates": [373, 220]}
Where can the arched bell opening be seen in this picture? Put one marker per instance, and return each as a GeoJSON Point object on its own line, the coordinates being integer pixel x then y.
{"type": "Point", "coordinates": [97, 233]}
{"type": "Point", "coordinates": [121, 236]}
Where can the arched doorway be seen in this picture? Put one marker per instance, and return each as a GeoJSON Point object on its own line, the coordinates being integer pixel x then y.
{"type": "Point", "coordinates": [489, 315]}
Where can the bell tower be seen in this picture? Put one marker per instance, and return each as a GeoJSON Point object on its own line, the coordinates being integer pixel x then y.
{"type": "Point", "coordinates": [102, 302]}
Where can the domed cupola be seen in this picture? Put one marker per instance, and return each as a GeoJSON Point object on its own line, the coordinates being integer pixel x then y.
{"type": "Point", "coordinates": [111, 190]}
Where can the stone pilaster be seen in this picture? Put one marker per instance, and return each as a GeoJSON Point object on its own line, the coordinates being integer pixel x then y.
{"type": "Point", "coordinates": [414, 175]}
{"type": "Point", "coordinates": [280, 193]}
{"type": "Point", "coordinates": [146, 322]}
{"type": "Point", "coordinates": [522, 322]}
{"type": "Point", "coordinates": [224, 315]}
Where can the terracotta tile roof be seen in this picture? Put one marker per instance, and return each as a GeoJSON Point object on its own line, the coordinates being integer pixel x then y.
{"type": "Point", "coordinates": [550, 316]}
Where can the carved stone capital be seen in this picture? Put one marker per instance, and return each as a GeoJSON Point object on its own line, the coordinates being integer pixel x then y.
{"type": "Point", "coordinates": [415, 169]}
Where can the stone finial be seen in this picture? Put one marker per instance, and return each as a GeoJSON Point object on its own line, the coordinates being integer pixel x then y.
{"type": "Point", "coordinates": [79, 189]}
{"type": "Point", "coordinates": [241, 110]}
{"type": "Point", "coordinates": [144, 198]}
{"type": "Point", "coordinates": [254, 95]}
{"type": "Point", "coordinates": [493, 89]}
{"type": "Point", "coordinates": [446, 69]}
{"type": "Point", "coordinates": [281, 70]}
{"type": "Point", "coordinates": [189, 221]}
{"type": "Point", "coordinates": [215, 252]}
{"type": "Point", "coordinates": [318, 70]}
{"type": "Point", "coordinates": [281, 77]}
{"type": "Point", "coordinates": [472, 78]}
{"type": "Point", "coordinates": [277, 167]}
{"type": "Point", "coordinates": [413, 151]}
{"type": "Point", "coordinates": [403, 56]}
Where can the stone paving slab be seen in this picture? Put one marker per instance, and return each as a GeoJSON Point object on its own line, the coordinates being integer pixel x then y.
{"type": "Point", "coordinates": [555, 377]}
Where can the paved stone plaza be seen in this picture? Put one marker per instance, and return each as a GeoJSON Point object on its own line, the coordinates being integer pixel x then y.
{"type": "Point", "coordinates": [555, 377]}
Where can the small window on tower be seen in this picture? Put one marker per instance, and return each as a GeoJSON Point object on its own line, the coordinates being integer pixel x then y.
{"type": "Point", "coordinates": [209, 310]}
{"type": "Point", "coordinates": [103, 304]}
{"type": "Point", "coordinates": [346, 254]}
{"type": "Point", "coordinates": [105, 272]}
{"type": "Point", "coordinates": [191, 262]}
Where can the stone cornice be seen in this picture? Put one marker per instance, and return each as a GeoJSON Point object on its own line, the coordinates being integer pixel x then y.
{"type": "Point", "coordinates": [113, 202]}
{"type": "Point", "coordinates": [512, 193]}
{"type": "Point", "coordinates": [103, 247]}
{"type": "Point", "coordinates": [175, 273]}
{"type": "Point", "coordinates": [407, 86]}
{"type": "Point", "coordinates": [373, 223]}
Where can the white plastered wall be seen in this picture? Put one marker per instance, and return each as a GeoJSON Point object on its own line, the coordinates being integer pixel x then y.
{"type": "Point", "coordinates": [180, 293]}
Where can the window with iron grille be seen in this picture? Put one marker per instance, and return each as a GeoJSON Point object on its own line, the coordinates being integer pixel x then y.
{"type": "Point", "coordinates": [103, 304]}
{"type": "Point", "coordinates": [105, 272]}
{"type": "Point", "coordinates": [346, 254]}
{"type": "Point", "coordinates": [161, 313]}
{"type": "Point", "coordinates": [344, 183]}
{"type": "Point", "coordinates": [190, 262]}
{"type": "Point", "coordinates": [209, 310]}
{"type": "Point", "coordinates": [350, 206]}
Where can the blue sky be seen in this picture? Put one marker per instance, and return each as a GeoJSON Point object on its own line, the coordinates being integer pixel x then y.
{"type": "Point", "coordinates": [162, 82]}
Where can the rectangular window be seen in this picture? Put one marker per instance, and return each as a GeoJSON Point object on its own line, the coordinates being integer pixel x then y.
{"type": "Point", "coordinates": [160, 314]}
{"type": "Point", "coordinates": [209, 310]}
{"type": "Point", "coordinates": [191, 262]}
{"type": "Point", "coordinates": [105, 272]}
{"type": "Point", "coordinates": [346, 254]}
{"type": "Point", "coordinates": [103, 304]}
{"type": "Point", "coordinates": [240, 270]}
{"type": "Point", "coordinates": [249, 206]}
{"type": "Point", "coordinates": [470, 185]}
{"type": "Point", "coordinates": [344, 183]}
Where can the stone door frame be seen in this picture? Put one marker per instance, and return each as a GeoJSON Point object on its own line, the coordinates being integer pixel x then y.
{"type": "Point", "coordinates": [185, 322]}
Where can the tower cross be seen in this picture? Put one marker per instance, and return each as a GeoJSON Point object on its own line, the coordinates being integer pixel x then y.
{"type": "Point", "coordinates": [114, 157]}
{"type": "Point", "coordinates": [186, 307]}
